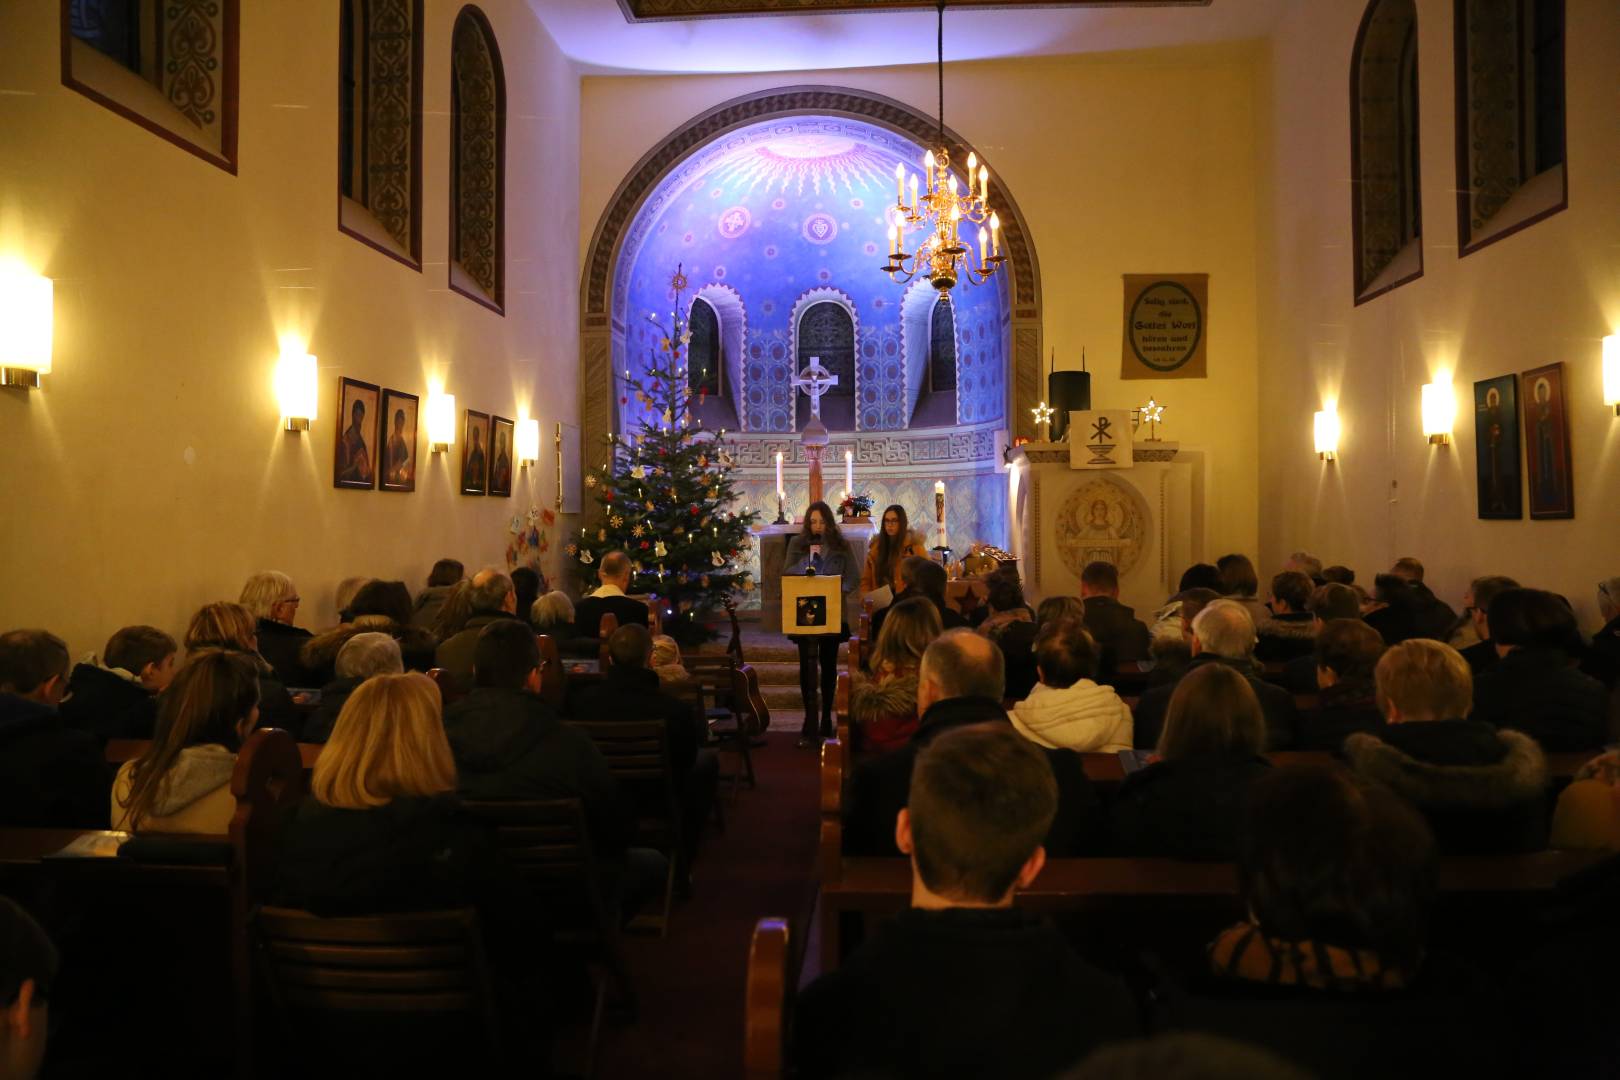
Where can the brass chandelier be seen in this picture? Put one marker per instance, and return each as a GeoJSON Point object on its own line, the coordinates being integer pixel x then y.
{"type": "Point", "coordinates": [939, 210]}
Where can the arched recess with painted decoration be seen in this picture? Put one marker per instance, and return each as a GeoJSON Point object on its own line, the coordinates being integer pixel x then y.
{"type": "Point", "coordinates": [603, 326]}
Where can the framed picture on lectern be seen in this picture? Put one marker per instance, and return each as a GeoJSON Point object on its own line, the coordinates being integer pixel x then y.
{"type": "Point", "coordinates": [812, 605]}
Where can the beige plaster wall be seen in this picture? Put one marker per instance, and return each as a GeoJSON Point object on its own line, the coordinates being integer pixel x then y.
{"type": "Point", "coordinates": [1545, 294]}
{"type": "Point", "coordinates": [1126, 163]}
{"type": "Point", "coordinates": [149, 475]}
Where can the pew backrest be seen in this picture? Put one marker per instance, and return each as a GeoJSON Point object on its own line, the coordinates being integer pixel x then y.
{"type": "Point", "coordinates": [766, 999]}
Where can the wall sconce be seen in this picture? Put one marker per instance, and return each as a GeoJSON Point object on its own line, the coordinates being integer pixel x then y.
{"type": "Point", "coordinates": [25, 327]}
{"type": "Point", "coordinates": [1611, 372]}
{"type": "Point", "coordinates": [441, 422]}
{"type": "Point", "coordinates": [1439, 412]}
{"type": "Point", "coordinates": [1327, 434]}
{"type": "Point", "coordinates": [295, 389]}
{"type": "Point", "coordinates": [528, 442]}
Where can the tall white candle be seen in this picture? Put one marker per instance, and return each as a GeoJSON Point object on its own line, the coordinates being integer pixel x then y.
{"type": "Point", "coordinates": [899, 182]}
{"type": "Point", "coordinates": [849, 471]}
{"type": "Point", "coordinates": [939, 493]}
{"type": "Point", "coordinates": [780, 494]}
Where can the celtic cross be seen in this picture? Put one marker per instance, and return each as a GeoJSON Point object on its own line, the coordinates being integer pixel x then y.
{"type": "Point", "coordinates": [814, 380]}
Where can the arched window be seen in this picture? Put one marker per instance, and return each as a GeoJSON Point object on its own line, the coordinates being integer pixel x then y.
{"type": "Point", "coordinates": [1385, 187]}
{"type": "Point", "coordinates": [380, 126]}
{"type": "Point", "coordinates": [703, 351]}
{"type": "Point", "coordinates": [827, 331]}
{"type": "Point", "coordinates": [477, 162]}
{"type": "Point", "coordinates": [942, 347]}
{"type": "Point", "coordinates": [184, 57]}
{"type": "Point", "coordinates": [1510, 117]}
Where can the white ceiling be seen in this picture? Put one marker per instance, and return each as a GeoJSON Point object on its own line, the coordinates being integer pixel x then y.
{"type": "Point", "coordinates": [595, 34]}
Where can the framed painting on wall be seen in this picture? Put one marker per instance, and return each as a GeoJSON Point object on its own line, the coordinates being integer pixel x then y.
{"type": "Point", "coordinates": [500, 456]}
{"type": "Point", "coordinates": [475, 453]}
{"type": "Point", "coordinates": [397, 436]}
{"type": "Point", "coordinates": [1496, 448]}
{"type": "Point", "coordinates": [1546, 439]}
{"type": "Point", "coordinates": [354, 462]}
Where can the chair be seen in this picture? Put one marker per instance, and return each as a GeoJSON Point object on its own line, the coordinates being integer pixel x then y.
{"type": "Point", "coordinates": [637, 754]}
{"type": "Point", "coordinates": [765, 1001]}
{"type": "Point", "coordinates": [328, 977]}
{"type": "Point", "coordinates": [553, 676]}
{"type": "Point", "coordinates": [451, 689]}
{"type": "Point", "coordinates": [548, 846]}
{"type": "Point", "coordinates": [605, 629]}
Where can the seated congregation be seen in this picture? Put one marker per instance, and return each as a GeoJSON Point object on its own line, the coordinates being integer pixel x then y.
{"type": "Point", "coordinates": [1320, 770]}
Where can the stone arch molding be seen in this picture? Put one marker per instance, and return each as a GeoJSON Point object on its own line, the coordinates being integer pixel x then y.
{"type": "Point", "coordinates": [598, 329]}
{"type": "Point", "coordinates": [733, 314]}
{"type": "Point", "coordinates": [823, 294]}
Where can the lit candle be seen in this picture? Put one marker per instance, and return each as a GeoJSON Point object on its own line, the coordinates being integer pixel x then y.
{"type": "Point", "coordinates": [900, 181]}
{"type": "Point", "coordinates": [913, 194]}
{"type": "Point", "coordinates": [984, 183]}
{"type": "Point", "coordinates": [973, 162]}
{"type": "Point", "coordinates": [995, 234]}
{"type": "Point", "coordinates": [953, 185]}
{"type": "Point", "coordinates": [894, 246]}
{"type": "Point", "coordinates": [984, 238]}
{"type": "Point", "coordinates": [779, 491]}
{"type": "Point", "coordinates": [849, 471]}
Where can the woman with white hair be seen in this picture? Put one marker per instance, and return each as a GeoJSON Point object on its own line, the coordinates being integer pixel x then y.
{"type": "Point", "coordinates": [553, 614]}
{"type": "Point", "coordinates": [1603, 657]}
{"type": "Point", "coordinates": [362, 656]}
{"type": "Point", "coordinates": [271, 598]}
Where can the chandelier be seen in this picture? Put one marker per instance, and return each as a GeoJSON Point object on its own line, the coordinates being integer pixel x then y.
{"type": "Point", "coordinates": [940, 209]}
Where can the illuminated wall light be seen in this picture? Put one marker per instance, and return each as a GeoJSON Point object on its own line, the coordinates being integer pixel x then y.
{"type": "Point", "coordinates": [1439, 412]}
{"type": "Point", "coordinates": [25, 326]}
{"type": "Point", "coordinates": [296, 391]}
{"type": "Point", "coordinates": [1611, 372]}
{"type": "Point", "coordinates": [441, 422]}
{"type": "Point", "coordinates": [1327, 434]}
{"type": "Point", "coordinates": [527, 442]}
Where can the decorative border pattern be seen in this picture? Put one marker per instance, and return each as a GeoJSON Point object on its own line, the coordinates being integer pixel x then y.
{"type": "Point", "coordinates": [596, 327]}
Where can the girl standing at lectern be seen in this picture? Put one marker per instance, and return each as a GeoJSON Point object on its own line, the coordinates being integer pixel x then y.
{"type": "Point", "coordinates": [820, 548]}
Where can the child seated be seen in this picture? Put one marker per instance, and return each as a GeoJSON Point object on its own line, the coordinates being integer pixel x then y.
{"type": "Point", "coordinates": [115, 697]}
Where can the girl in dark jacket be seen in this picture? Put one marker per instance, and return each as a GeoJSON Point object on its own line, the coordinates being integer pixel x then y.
{"type": "Point", "coordinates": [820, 548]}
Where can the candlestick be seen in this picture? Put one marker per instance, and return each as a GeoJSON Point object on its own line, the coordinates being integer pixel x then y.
{"type": "Point", "coordinates": [849, 471]}
{"type": "Point", "coordinates": [779, 492]}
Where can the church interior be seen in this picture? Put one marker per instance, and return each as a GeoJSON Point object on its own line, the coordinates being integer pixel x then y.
{"type": "Point", "coordinates": [1115, 345]}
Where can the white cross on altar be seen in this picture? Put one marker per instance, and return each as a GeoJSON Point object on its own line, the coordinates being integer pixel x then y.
{"type": "Point", "coordinates": [814, 380]}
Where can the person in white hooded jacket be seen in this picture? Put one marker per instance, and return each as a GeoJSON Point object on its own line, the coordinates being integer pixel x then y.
{"type": "Point", "coordinates": [1067, 710]}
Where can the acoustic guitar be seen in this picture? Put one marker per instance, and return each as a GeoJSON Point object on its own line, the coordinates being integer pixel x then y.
{"type": "Point", "coordinates": [752, 713]}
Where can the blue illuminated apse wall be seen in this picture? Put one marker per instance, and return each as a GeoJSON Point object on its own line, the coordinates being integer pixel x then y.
{"type": "Point", "coordinates": [772, 222]}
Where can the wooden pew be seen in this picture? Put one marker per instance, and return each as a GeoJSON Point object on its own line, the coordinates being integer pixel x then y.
{"type": "Point", "coordinates": [119, 751]}
{"type": "Point", "coordinates": [553, 676]}
{"type": "Point", "coordinates": [765, 1001]}
{"type": "Point", "coordinates": [882, 884]}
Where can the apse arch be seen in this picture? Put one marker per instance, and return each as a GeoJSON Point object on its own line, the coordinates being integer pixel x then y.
{"type": "Point", "coordinates": [604, 322]}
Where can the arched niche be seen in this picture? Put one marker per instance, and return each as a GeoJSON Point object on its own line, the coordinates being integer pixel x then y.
{"type": "Point", "coordinates": [602, 325]}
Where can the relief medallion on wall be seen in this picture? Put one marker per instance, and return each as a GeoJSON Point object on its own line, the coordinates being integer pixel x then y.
{"type": "Point", "coordinates": [1102, 520]}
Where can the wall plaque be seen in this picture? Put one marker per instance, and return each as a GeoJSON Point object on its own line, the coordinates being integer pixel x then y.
{"type": "Point", "coordinates": [1166, 326]}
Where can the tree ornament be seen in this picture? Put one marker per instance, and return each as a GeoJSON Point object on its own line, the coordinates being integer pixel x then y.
{"type": "Point", "coordinates": [660, 550]}
{"type": "Point", "coordinates": [717, 559]}
{"type": "Point", "coordinates": [601, 534]}
{"type": "Point", "coordinates": [585, 557]}
{"type": "Point", "coordinates": [590, 480]}
{"type": "Point", "coordinates": [637, 531]}
{"type": "Point", "coordinates": [616, 521]}
{"type": "Point", "coordinates": [668, 417]}
{"type": "Point", "coordinates": [639, 472]}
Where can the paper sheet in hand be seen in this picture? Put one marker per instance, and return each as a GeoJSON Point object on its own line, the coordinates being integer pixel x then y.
{"type": "Point", "coordinates": [880, 598]}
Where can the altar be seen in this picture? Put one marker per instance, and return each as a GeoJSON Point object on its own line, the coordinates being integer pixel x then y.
{"type": "Point", "coordinates": [773, 542]}
{"type": "Point", "coordinates": [1146, 519]}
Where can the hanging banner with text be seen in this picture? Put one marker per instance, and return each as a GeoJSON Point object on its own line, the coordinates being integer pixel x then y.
{"type": "Point", "coordinates": [1166, 326]}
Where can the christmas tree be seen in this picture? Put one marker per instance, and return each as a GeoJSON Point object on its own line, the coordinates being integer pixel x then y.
{"type": "Point", "coordinates": [666, 498]}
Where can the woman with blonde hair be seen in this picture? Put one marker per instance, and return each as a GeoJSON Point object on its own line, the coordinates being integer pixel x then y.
{"type": "Point", "coordinates": [1189, 803]}
{"type": "Point", "coordinates": [224, 625]}
{"type": "Point", "coordinates": [883, 706]}
{"type": "Point", "coordinates": [182, 784]}
{"type": "Point", "coordinates": [271, 597]}
{"type": "Point", "coordinates": [379, 830]}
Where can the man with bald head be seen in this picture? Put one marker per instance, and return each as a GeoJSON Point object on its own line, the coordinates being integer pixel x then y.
{"type": "Point", "coordinates": [1223, 633]}
{"type": "Point", "coordinates": [610, 599]}
{"type": "Point", "coordinates": [961, 681]}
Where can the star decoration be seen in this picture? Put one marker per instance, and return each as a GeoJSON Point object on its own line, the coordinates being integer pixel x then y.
{"type": "Point", "coordinates": [616, 521]}
{"type": "Point", "coordinates": [590, 480]}
{"type": "Point", "coordinates": [1152, 412]}
{"type": "Point", "coordinates": [1043, 413]}
{"type": "Point", "coordinates": [637, 532]}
